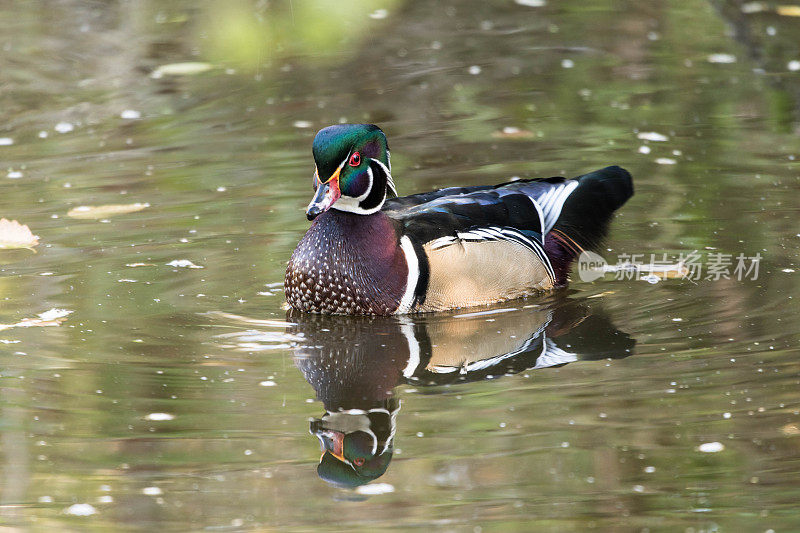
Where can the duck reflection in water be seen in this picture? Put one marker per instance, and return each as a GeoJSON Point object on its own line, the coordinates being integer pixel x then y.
{"type": "Point", "coordinates": [354, 364]}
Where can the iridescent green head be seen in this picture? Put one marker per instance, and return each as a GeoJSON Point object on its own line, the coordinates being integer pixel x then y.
{"type": "Point", "coordinates": [353, 170]}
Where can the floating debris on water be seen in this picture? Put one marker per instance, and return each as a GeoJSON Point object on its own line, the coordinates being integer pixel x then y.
{"type": "Point", "coordinates": [159, 417]}
{"type": "Point", "coordinates": [6, 141]}
{"type": "Point", "coordinates": [665, 161]}
{"type": "Point", "coordinates": [152, 491]}
{"type": "Point", "coordinates": [721, 58]}
{"type": "Point", "coordinates": [104, 211]}
{"type": "Point", "coordinates": [16, 235]}
{"type": "Point", "coordinates": [711, 447]}
{"type": "Point", "coordinates": [644, 149]}
{"type": "Point", "coordinates": [567, 63]}
{"type": "Point", "coordinates": [531, 3]}
{"type": "Point", "coordinates": [474, 70]}
{"type": "Point", "coordinates": [64, 127]}
{"type": "Point", "coordinates": [52, 317]}
{"type": "Point", "coordinates": [188, 68]}
{"type": "Point", "coordinates": [652, 136]}
{"type": "Point", "coordinates": [374, 489]}
{"type": "Point", "coordinates": [130, 114]}
{"type": "Point", "coordinates": [793, 65]}
{"type": "Point", "coordinates": [80, 509]}
{"type": "Point", "coordinates": [512, 132]}
{"type": "Point", "coordinates": [301, 124]}
{"type": "Point", "coordinates": [182, 263]}
{"type": "Point", "coordinates": [267, 383]}
{"type": "Point", "coordinates": [14, 174]}
{"type": "Point", "coordinates": [379, 14]}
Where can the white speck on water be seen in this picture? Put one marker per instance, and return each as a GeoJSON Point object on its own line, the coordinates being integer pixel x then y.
{"type": "Point", "coordinates": [248, 452]}
{"type": "Point", "coordinates": [531, 3]}
{"type": "Point", "coordinates": [793, 65]}
{"type": "Point", "coordinates": [644, 149]}
{"type": "Point", "coordinates": [64, 127]}
{"type": "Point", "coordinates": [374, 489]}
{"type": "Point", "coordinates": [711, 447]}
{"type": "Point", "coordinates": [268, 383]}
{"type": "Point", "coordinates": [45, 499]}
{"type": "Point", "coordinates": [665, 161]}
{"type": "Point", "coordinates": [301, 124]}
{"type": "Point", "coordinates": [379, 14]}
{"type": "Point", "coordinates": [105, 488]}
{"type": "Point", "coordinates": [721, 58]}
{"type": "Point", "coordinates": [638, 488]}
{"type": "Point", "coordinates": [80, 509]}
{"type": "Point", "coordinates": [14, 174]}
{"type": "Point", "coordinates": [6, 141]}
{"type": "Point", "coordinates": [420, 434]}
{"type": "Point", "coordinates": [43, 134]}
{"type": "Point", "coordinates": [602, 415]}
{"type": "Point", "coordinates": [565, 444]}
{"type": "Point", "coordinates": [130, 114]}
{"type": "Point", "coordinates": [677, 320]}
{"type": "Point", "coordinates": [567, 63]}
{"type": "Point", "coordinates": [474, 70]}
{"type": "Point", "coordinates": [152, 491]}
{"type": "Point", "coordinates": [652, 136]}
{"type": "Point", "coordinates": [222, 189]}
{"type": "Point", "coordinates": [726, 415]}
{"type": "Point", "coordinates": [787, 270]}
{"type": "Point", "coordinates": [649, 469]}
{"type": "Point", "coordinates": [651, 279]}
{"type": "Point", "coordinates": [159, 417]}
{"type": "Point", "coordinates": [105, 499]}
{"type": "Point", "coordinates": [182, 263]}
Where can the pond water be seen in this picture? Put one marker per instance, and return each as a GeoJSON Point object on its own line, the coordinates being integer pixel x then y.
{"type": "Point", "coordinates": [167, 388]}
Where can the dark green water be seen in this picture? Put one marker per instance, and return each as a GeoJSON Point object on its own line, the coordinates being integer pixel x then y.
{"type": "Point", "coordinates": [176, 398]}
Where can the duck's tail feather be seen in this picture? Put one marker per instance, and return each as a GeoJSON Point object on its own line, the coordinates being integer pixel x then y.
{"type": "Point", "coordinates": [585, 216]}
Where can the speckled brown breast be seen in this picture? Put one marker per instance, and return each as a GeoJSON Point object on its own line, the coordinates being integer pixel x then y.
{"type": "Point", "coordinates": [347, 264]}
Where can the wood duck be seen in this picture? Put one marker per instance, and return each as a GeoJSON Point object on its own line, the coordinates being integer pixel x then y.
{"type": "Point", "coordinates": [355, 363]}
{"type": "Point", "coordinates": [370, 252]}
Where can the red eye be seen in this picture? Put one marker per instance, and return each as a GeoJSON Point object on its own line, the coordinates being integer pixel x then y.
{"type": "Point", "coordinates": [358, 461]}
{"type": "Point", "coordinates": [355, 159]}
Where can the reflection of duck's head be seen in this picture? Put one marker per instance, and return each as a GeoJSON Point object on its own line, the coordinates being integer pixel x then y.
{"type": "Point", "coordinates": [357, 445]}
{"type": "Point", "coordinates": [354, 363]}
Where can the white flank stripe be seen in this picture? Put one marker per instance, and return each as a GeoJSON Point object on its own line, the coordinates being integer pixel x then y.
{"type": "Point", "coordinates": [413, 349]}
{"type": "Point", "coordinates": [413, 275]}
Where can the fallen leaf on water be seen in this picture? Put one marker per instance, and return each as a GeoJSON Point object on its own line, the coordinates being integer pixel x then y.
{"type": "Point", "coordinates": [103, 211]}
{"type": "Point", "coordinates": [788, 11]}
{"type": "Point", "coordinates": [790, 429]}
{"type": "Point", "coordinates": [16, 235]}
{"type": "Point", "coordinates": [53, 317]}
{"type": "Point", "coordinates": [188, 68]}
{"type": "Point", "coordinates": [511, 132]}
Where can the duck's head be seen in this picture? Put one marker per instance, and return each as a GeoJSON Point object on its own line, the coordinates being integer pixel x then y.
{"type": "Point", "coordinates": [357, 445]}
{"type": "Point", "coordinates": [353, 171]}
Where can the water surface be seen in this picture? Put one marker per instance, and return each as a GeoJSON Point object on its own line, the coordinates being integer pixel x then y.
{"type": "Point", "coordinates": [181, 398]}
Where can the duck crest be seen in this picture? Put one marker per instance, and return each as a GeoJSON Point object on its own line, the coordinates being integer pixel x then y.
{"type": "Point", "coordinates": [347, 264]}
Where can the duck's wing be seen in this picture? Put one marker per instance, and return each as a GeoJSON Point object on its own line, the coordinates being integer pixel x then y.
{"type": "Point", "coordinates": [532, 206]}
{"type": "Point", "coordinates": [478, 245]}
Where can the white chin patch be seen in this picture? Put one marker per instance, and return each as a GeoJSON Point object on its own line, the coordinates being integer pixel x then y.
{"type": "Point", "coordinates": [350, 205]}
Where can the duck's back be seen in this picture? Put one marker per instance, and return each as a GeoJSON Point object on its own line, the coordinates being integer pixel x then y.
{"type": "Point", "coordinates": [478, 245]}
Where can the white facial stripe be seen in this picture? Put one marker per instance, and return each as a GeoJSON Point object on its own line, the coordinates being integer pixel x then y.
{"type": "Point", "coordinates": [389, 180]}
